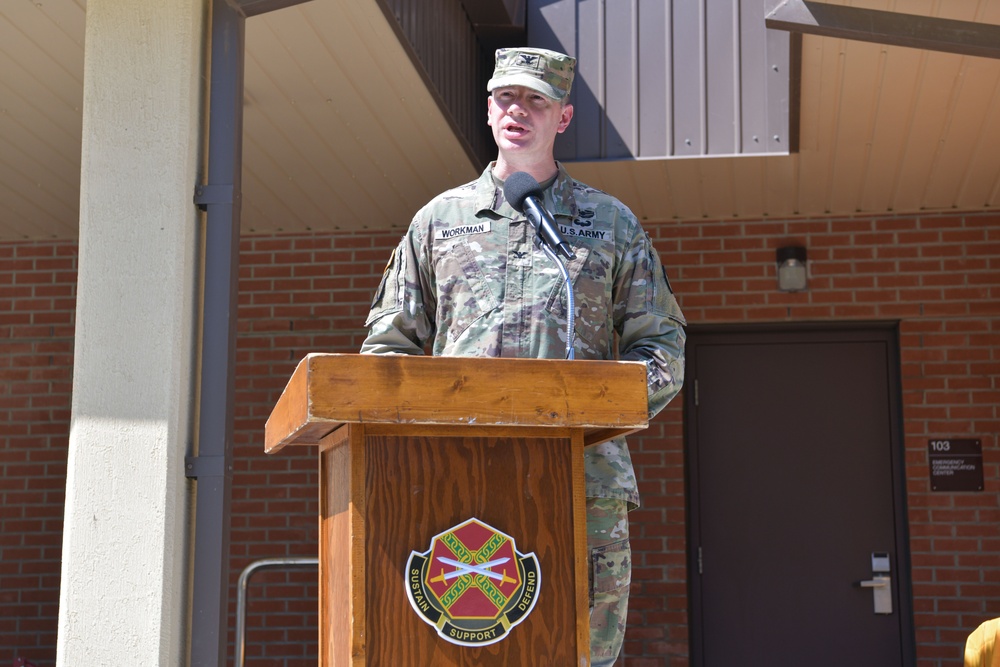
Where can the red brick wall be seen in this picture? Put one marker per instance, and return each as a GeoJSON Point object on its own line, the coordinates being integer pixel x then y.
{"type": "Point", "coordinates": [938, 275]}
{"type": "Point", "coordinates": [37, 301]}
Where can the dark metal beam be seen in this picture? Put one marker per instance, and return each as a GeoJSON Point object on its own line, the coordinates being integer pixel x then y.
{"type": "Point", "coordinates": [871, 25]}
{"type": "Point", "coordinates": [211, 465]}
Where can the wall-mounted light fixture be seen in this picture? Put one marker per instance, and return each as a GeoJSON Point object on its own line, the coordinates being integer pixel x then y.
{"type": "Point", "coordinates": [792, 275]}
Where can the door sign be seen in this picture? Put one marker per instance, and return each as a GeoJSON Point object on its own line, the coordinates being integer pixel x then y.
{"type": "Point", "coordinates": [955, 464]}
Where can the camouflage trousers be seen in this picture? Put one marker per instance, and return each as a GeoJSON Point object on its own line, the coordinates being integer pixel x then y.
{"type": "Point", "coordinates": [610, 577]}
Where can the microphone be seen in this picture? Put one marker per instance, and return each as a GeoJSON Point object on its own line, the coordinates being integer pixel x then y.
{"type": "Point", "coordinates": [525, 196]}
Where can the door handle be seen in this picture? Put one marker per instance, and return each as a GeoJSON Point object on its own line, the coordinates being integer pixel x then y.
{"type": "Point", "coordinates": [881, 585]}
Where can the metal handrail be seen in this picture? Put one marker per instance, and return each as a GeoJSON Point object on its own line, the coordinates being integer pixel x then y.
{"type": "Point", "coordinates": [241, 595]}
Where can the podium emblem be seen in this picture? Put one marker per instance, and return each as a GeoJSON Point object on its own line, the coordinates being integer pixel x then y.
{"type": "Point", "coordinates": [472, 584]}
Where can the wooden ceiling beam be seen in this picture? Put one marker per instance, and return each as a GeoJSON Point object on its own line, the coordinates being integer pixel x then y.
{"type": "Point", "coordinates": [893, 28]}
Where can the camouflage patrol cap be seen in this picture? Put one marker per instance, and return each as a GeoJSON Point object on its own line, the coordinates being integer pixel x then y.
{"type": "Point", "coordinates": [548, 72]}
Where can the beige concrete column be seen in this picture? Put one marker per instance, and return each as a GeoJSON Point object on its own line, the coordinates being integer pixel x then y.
{"type": "Point", "coordinates": [125, 544]}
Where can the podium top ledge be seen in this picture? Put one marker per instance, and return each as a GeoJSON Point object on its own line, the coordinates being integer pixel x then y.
{"type": "Point", "coordinates": [605, 398]}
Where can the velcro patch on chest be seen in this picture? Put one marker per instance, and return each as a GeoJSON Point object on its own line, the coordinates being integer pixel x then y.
{"type": "Point", "coordinates": [462, 230]}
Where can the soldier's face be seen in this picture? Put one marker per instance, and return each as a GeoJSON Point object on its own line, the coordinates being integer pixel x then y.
{"type": "Point", "coordinates": [525, 122]}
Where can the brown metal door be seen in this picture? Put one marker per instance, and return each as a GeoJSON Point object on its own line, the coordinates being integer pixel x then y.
{"type": "Point", "coordinates": [795, 467]}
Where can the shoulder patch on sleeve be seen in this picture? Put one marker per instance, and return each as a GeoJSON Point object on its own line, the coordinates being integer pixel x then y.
{"type": "Point", "coordinates": [388, 295]}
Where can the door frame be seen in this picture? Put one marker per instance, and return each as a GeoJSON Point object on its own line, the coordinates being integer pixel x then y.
{"type": "Point", "coordinates": [833, 332]}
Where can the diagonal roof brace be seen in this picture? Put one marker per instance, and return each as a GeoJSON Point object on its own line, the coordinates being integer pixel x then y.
{"type": "Point", "coordinates": [256, 7]}
{"type": "Point", "coordinates": [893, 28]}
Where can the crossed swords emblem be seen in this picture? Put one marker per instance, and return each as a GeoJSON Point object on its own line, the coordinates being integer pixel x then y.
{"type": "Point", "coordinates": [472, 569]}
{"type": "Point", "coordinates": [468, 566]}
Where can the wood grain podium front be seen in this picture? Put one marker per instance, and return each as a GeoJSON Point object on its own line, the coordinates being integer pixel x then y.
{"type": "Point", "coordinates": [420, 455]}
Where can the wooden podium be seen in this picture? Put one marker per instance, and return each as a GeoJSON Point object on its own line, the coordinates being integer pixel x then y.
{"type": "Point", "coordinates": [412, 447]}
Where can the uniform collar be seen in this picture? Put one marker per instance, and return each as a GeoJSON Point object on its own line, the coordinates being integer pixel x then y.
{"type": "Point", "coordinates": [559, 197]}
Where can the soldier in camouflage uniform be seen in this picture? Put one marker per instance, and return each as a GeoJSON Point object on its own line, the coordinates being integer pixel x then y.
{"type": "Point", "coordinates": [468, 279]}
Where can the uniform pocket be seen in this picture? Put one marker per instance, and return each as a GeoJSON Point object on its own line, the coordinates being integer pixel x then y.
{"type": "Point", "coordinates": [611, 567]}
{"type": "Point", "coordinates": [591, 288]}
{"type": "Point", "coordinates": [463, 293]}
